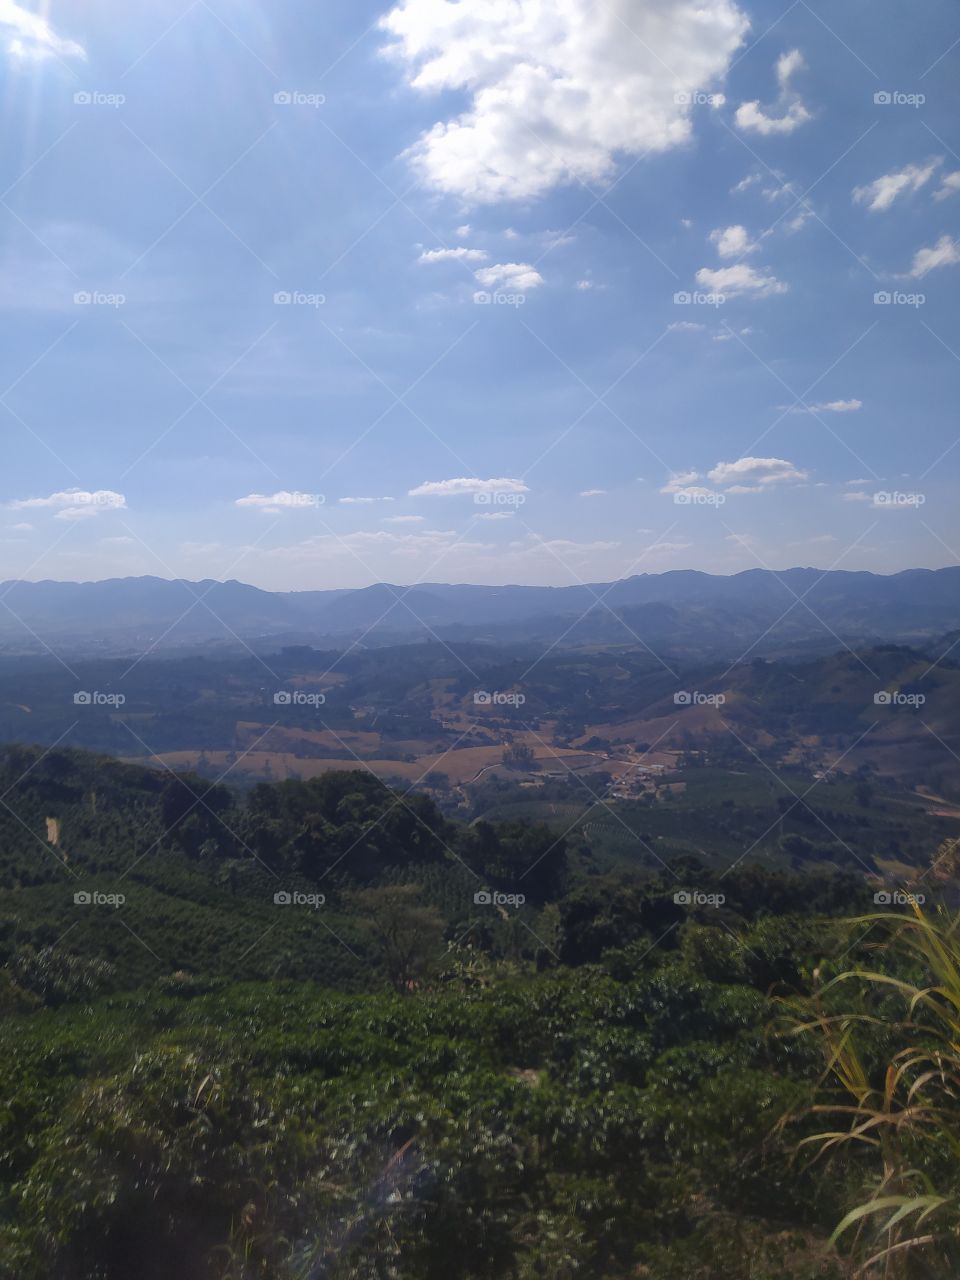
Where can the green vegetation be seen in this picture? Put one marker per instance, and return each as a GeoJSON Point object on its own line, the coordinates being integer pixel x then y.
{"type": "Point", "coordinates": [320, 1029]}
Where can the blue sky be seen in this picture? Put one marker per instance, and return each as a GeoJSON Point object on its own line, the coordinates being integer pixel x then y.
{"type": "Point", "coordinates": [320, 295]}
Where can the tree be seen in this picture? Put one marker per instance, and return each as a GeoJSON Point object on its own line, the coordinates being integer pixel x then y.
{"type": "Point", "coordinates": [407, 934]}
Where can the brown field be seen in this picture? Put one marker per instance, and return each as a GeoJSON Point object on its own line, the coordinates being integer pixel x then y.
{"type": "Point", "coordinates": [460, 766]}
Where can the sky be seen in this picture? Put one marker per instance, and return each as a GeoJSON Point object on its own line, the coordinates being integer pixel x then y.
{"type": "Point", "coordinates": [319, 295]}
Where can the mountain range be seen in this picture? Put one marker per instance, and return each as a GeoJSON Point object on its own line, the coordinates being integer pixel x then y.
{"type": "Point", "coordinates": [794, 610]}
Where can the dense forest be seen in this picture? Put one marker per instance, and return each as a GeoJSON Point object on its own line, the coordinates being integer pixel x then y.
{"type": "Point", "coordinates": [317, 1029]}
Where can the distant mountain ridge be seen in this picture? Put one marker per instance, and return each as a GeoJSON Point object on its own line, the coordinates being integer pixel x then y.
{"type": "Point", "coordinates": [680, 606]}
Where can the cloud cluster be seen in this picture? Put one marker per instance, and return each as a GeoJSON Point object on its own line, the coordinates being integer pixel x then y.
{"type": "Point", "coordinates": [751, 117]}
{"type": "Point", "coordinates": [30, 36]}
{"type": "Point", "coordinates": [462, 485]}
{"type": "Point", "coordinates": [74, 504]}
{"type": "Point", "coordinates": [557, 88]}
{"type": "Point", "coordinates": [945, 253]}
{"type": "Point", "coordinates": [882, 192]}
{"type": "Point", "coordinates": [740, 279]}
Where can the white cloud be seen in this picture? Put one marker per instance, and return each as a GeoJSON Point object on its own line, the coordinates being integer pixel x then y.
{"type": "Point", "coordinates": [857, 495]}
{"type": "Point", "coordinates": [496, 515]}
{"type": "Point", "coordinates": [945, 253]}
{"type": "Point", "coordinates": [739, 279]}
{"type": "Point", "coordinates": [466, 485]}
{"type": "Point", "coordinates": [732, 242]}
{"type": "Point", "coordinates": [685, 326]}
{"type": "Point", "coordinates": [273, 503]}
{"type": "Point", "coordinates": [759, 473]}
{"type": "Point", "coordinates": [459, 254]}
{"type": "Point", "coordinates": [881, 193]}
{"type": "Point", "coordinates": [557, 90]}
{"type": "Point", "coordinates": [403, 520]}
{"type": "Point", "coordinates": [828, 406]}
{"type": "Point", "coordinates": [515, 276]}
{"type": "Point", "coordinates": [74, 504]}
{"type": "Point", "coordinates": [592, 493]}
{"type": "Point", "coordinates": [680, 481]}
{"type": "Point", "coordinates": [31, 37]}
{"type": "Point", "coordinates": [361, 502]}
{"type": "Point", "coordinates": [751, 116]}
{"type": "Point", "coordinates": [22, 527]}
{"type": "Point", "coordinates": [949, 185]}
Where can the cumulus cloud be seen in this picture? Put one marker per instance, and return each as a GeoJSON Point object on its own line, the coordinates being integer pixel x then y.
{"type": "Point", "coordinates": [556, 90]}
{"type": "Point", "coordinates": [74, 504]}
{"type": "Point", "coordinates": [732, 242]}
{"type": "Point", "coordinates": [31, 38]}
{"type": "Point", "coordinates": [949, 185]}
{"type": "Point", "coordinates": [592, 493]}
{"type": "Point", "coordinates": [685, 326]}
{"type": "Point", "coordinates": [945, 253]}
{"type": "Point", "coordinates": [740, 279]}
{"type": "Point", "coordinates": [466, 485]}
{"type": "Point", "coordinates": [881, 193]}
{"type": "Point", "coordinates": [515, 276]}
{"type": "Point", "coordinates": [402, 520]}
{"type": "Point", "coordinates": [751, 116]}
{"type": "Point", "coordinates": [752, 475]}
{"type": "Point", "coordinates": [274, 503]}
{"type": "Point", "coordinates": [460, 254]}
